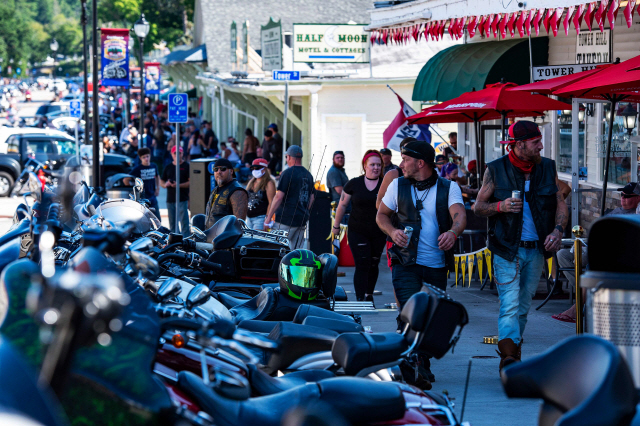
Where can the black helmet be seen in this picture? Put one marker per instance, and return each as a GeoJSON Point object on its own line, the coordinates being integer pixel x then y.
{"type": "Point", "coordinates": [300, 275]}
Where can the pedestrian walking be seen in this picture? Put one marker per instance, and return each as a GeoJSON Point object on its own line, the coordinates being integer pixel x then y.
{"type": "Point", "coordinates": [527, 216]}
{"type": "Point", "coordinates": [366, 240]}
{"type": "Point", "coordinates": [336, 176]}
{"type": "Point", "coordinates": [275, 149]}
{"type": "Point", "coordinates": [168, 181]}
{"type": "Point", "coordinates": [210, 139]}
{"type": "Point", "coordinates": [148, 172]}
{"type": "Point", "coordinates": [386, 162]}
{"type": "Point", "coordinates": [293, 199]}
{"type": "Point", "coordinates": [430, 217]}
{"type": "Point", "coordinates": [261, 190]}
{"type": "Point", "coordinates": [249, 148]}
{"type": "Point", "coordinates": [197, 147]}
{"type": "Point", "coordinates": [228, 197]}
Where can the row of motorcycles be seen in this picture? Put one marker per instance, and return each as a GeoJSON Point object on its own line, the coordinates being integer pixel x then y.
{"type": "Point", "coordinates": [109, 319]}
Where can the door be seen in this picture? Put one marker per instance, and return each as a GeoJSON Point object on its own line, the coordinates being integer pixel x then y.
{"type": "Point", "coordinates": [490, 140]}
{"type": "Point", "coordinates": [344, 133]}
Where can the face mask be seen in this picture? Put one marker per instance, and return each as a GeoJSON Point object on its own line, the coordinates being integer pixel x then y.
{"type": "Point", "coordinates": [258, 173]}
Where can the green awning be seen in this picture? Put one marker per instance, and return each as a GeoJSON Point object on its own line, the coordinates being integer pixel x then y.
{"type": "Point", "coordinates": [461, 68]}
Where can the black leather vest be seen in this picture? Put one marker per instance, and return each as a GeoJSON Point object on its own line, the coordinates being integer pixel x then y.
{"type": "Point", "coordinates": [505, 229]}
{"type": "Point", "coordinates": [408, 215]}
{"type": "Point", "coordinates": [219, 205]}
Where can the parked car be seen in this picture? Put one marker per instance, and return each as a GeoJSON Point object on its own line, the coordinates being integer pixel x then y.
{"type": "Point", "coordinates": [56, 151]}
{"type": "Point", "coordinates": [53, 110]}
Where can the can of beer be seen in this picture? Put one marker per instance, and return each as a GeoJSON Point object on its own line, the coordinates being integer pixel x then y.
{"type": "Point", "coordinates": [408, 231]}
{"type": "Point", "coordinates": [516, 194]}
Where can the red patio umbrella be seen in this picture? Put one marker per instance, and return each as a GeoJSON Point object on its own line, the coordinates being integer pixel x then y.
{"type": "Point", "coordinates": [547, 87]}
{"type": "Point", "coordinates": [617, 83]}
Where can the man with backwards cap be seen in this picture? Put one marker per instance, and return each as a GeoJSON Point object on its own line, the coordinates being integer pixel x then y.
{"type": "Point", "coordinates": [433, 207]}
{"type": "Point", "coordinates": [228, 197]}
{"type": "Point", "coordinates": [387, 164]}
{"type": "Point", "coordinates": [523, 230]}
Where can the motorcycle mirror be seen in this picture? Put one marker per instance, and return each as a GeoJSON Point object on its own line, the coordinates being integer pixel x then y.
{"type": "Point", "coordinates": [199, 235]}
{"type": "Point", "coordinates": [169, 288]}
{"type": "Point", "coordinates": [142, 245]}
{"type": "Point", "coordinates": [144, 264]}
{"type": "Point", "coordinates": [197, 296]}
{"type": "Point", "coordinates": [35, 186]}
{"type": "Point", "coordinates": [139, 185]}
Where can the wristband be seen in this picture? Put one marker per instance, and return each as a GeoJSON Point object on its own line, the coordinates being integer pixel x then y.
{"type": "Point", "coordinates": [336, 228]}
{"type": "Point", "coordinates": [453, 232]}
{"type": "Point", "coordinates": [499, 206]}
{"type": "Point", "coordinates": [560, 228]}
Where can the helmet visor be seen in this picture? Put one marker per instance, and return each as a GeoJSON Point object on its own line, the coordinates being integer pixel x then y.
{"type": "Point", "coordinates": [301, 276]}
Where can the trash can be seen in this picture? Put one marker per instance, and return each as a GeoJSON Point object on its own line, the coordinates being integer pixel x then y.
{"type": "Point", "coordinates": [201, 183]}
{"type": "Point", "coordinates": [612, 286]}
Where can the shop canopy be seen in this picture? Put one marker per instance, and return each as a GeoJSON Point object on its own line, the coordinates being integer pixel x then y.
{"type": "Point", "coordinates": [465, 67]}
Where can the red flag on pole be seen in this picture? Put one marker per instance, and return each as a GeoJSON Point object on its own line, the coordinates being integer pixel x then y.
{"type": "Point", "coordinates": [577, 18]}
{"type": "Point", "coordinates": [601, 13]}
{"type": "Point", "coordinates": [471, 26]}
{"type": "Point", "coordinates": [628, 12]}
{"type": "Point", "coordinates": [612, 14]}
{"type": "Point", "coordinates": [503, 24]}
{"type": "Point", "coordinates": [589, 14]}
{"type": "Point", "coordinates": [511, 23]}
{"type": "Point", "coordinates": [537, 19]}
{"type": "Point", "coordinates": [555, 20]}
{"type": "Point", "coordinates": [567, 19]}
{"type": "Point", "coordinates": [547, 19]}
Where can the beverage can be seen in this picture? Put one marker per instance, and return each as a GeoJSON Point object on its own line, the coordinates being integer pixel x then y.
{"type": "Point", "coordinates": [408, 231]}
{"type": "Point", "coordinates": [516, 194]}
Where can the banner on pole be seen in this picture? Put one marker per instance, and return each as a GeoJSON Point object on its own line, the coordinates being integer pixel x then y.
{"type": "Point", "coordinates": [400, 128]}
{"type": "Point", "coordinates": [152, 78]}
{"type": "Point", "coordinates": [115, 57]}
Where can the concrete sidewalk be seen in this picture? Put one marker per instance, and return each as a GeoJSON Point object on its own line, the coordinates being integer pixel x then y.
{"type": "Point", "coordinates": [486, 401]}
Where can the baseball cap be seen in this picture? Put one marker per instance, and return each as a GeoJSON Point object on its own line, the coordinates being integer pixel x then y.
{"type": "Point", "coordinates": [440, 158]}
{"type": "Point", "coordinates": [419, 149]}
{"type": "Point", "coordinates": [472, 165]}
{"type": "Point", "coordinates": [294, 151]}
{"type": "Point", "coordinates": [273, 126]}
{"type": "Point", "coordinates": [629, 189]}
{"type": "Point", "coordinates": [223, 162]}
{"type": "Point", "coordinates": [521, 131]}
{"type": "Point", "coordinates": [260, 162]}
{"type": "Point", "coordinates": [173, 150]}
{"type": "Point", "coordinates": [385, 151]}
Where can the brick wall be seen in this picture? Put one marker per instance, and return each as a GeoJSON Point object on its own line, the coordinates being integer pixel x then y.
{"type": "Point", "coordinates": [590, 206]}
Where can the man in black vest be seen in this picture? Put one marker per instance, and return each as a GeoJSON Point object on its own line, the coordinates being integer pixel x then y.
{"type": "Point", "coordinates": [523, 231]}
{"type": "Point", "coordinates": [433, 207]}
{"type": "Point", "coordinates": [229, 197]}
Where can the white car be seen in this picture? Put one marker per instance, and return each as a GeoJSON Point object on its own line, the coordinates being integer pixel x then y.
{"type": "Point", "coordinates": [7, 132]}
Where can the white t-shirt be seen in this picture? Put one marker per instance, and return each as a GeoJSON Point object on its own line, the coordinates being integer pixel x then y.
{"type": "Point", "coordinates": [428, 252]}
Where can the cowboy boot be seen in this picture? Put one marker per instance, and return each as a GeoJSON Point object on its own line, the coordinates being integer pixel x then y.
{"type": "Point", "coordinates": [508, 352]}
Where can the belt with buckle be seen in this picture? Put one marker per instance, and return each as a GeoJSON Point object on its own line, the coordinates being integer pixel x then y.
{"type": "Point", "coordinates": [529, 244]}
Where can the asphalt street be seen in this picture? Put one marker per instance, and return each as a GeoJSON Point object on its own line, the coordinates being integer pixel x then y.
{"type": "Point", "coordinates": [486, 402]}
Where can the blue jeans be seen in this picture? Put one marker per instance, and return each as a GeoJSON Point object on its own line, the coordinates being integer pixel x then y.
{"type": "Point", "coordinates": [407, 280]}
{"type": "Point", "coordinates": [153, 201]}
{"type": "Point", "coordinates": [184, 218]}
{"type": "Point", "coordinates": [256, 222]}
{"type": "Point", "coordinates": [517, 281]}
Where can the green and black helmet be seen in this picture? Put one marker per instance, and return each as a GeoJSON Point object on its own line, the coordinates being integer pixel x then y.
{"type": "Point", "coordinates": [300, 275]}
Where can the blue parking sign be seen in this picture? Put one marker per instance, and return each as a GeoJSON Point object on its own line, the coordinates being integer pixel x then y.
{"type": "Point", "coordinates": [178, 108]}
{"type": "Point", "coordinates": [75, 109]}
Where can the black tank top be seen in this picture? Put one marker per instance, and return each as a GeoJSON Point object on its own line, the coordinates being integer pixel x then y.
{"type": "Point", "coordinates": [258, 203]}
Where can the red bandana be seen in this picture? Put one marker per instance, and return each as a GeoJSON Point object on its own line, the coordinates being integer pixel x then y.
{"type": "Point", "coordinates": [524, 166]}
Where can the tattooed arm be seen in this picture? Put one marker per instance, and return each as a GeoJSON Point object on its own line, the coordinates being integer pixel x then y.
{"type": "Point", "coordinates": [484, 208]}
{"type": "Point", "coordinates": [459, 216]}
{"type": "Point", "coordinates": [239, 204]}
{"type": "Point", "coordinates": [554, 240]}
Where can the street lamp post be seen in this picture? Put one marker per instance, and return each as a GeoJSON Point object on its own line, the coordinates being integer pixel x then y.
{"type": "Point", "coordinates": [54, 48]}
{"type": "Point", "coordinates": [141, 28]}
{"type": "Point", "coordinates": [85, 62]}
{"type": "Point", "coordinates": [96, 115]}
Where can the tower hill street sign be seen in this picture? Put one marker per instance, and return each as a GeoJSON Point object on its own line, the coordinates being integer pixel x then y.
{"type": "Point", "coordinates": [330, 43]}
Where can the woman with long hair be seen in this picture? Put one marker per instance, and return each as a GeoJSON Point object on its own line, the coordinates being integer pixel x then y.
{"type": "Point", "coordinates": [366, 240]}
{"type": "Point", "coordinates": [261, 189]}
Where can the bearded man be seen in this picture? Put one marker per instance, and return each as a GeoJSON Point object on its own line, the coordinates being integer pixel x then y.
{"type": "Point", "coordinates": [523, 230]}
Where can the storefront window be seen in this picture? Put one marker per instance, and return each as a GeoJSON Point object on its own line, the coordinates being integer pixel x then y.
{"type": "Point", "coordinates": [563, 147]}
{"type": "Point", "coordinates": [620, 161]}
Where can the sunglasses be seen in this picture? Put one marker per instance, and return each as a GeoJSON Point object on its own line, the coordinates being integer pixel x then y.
{"type": "Point", "coordinates": [629, 195]}
{"type": "Point", "coordinates": [257, 167]}
{"type": "Point", "coordinates": [219, 169]}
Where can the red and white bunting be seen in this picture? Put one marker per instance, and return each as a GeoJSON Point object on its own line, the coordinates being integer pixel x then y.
{"type": "Point", "coordinates": [537, 19]}
{"type": "Point", "coordinates": [577, 18]}
{"type": "Point", "coordinates": [600, 14]}
{"type": "Point", "coordinates": [494, 25]}
{"type": "Point", "coordinates": [511, 23]}
{"type": "Point", "coordinates": [528, 21]}
{"type": "Point", "coordinates": [503, 25]}
{"type": "Point", "coordinates": [567, 19]}
{"type": "Point", "coordinates": [589, 14]}
{"type": "Point", "coordinates": [547, 19]}
{"type": "Point", "coordinates": [520, 22]}
{"type": "Point", "coordinates": [461, 25]}
{"type": "Point", "coordinates": [612, 13]}
{"type": "Point", "coordinates": [628, 12]}
{"type": "Point", "coordinates": [452, 27]}
{"type": "Point", "coordinates": [442, 29]}
{"type": "Point", "coordinates": [555, 20]}
{"type": "Point", "coordinates": [472, 25]}
{"type": "Point", "coordinates": [487, 25]}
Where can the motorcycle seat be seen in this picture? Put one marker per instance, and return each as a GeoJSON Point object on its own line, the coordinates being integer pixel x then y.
{"type": "Point", "coordinates": [357, 351]}
{"type": "Point", "coordinates": [229, 301]}
{"type": "Point", "coordinates": [264, 384]}
{"type": "Point", "coordinates": [600, 378]}
{"type": "Point", "coordinates": [358, 400]}
{"type": "Point", "coordinates": [338, 326]}
{"type": "Point", "coordinates": [258, 308]}
{"type": "Point", "coordinates": [305, 311]}
{"type": "Point", "coordinates": [296, 341]}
